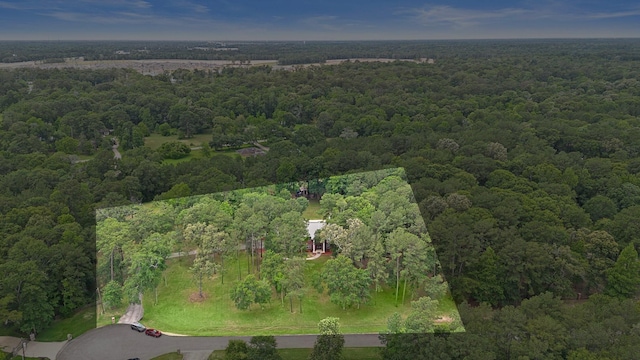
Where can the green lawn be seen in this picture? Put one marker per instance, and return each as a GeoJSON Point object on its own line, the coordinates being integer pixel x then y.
{"type": "Point", "coordinates": [311, 212]}
{"type": "Point", "coordinates": [154, 141]}
{"type": "Point", "coordinates": [169, 356]}
{"type": "Point", "coordinates": [217, 315]}
{"type": "Point", "coordinates": [303, 354]}
{"type": "Point", "coordinates": [81, 322]}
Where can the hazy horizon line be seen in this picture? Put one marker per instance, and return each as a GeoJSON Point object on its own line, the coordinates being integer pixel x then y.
{"type": "Point", "coordinates": [334, 40]}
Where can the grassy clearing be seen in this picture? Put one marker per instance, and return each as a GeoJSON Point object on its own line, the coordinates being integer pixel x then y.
{"type": "Point", "coordinates": [217, 315]}
{"type": "Point", "coordinates": [169, 356]}
{"type": "Point", "coordinates": [154, 141]}
{"type": "Point", "coordinates": [303, 354]}
{"type": "Point", "coordinates": [81, 322]}
{"type": "Point", "coordinates": [311, 212]}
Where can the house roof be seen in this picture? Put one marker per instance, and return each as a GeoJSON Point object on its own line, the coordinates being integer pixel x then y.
{"type": "Point", "coordinates": [315, 225]}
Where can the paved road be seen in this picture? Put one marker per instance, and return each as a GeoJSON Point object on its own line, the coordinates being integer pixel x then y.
{"type": "Point", "coordinates": [119, 342]}
{"type": "Point", "coordinates": [34, 349]}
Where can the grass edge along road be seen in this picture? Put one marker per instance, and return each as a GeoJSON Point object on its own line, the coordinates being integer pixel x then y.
{"type": "Point", "coordinates": [293, 354]}
{"type": "Point", "coordinates": [368, 353]}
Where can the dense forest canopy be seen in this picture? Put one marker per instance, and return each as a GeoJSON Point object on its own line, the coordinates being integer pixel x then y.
{"type": "Point", "coordinates": [297, 52]}
{"type": "Point", "coordinates": [523, 156]}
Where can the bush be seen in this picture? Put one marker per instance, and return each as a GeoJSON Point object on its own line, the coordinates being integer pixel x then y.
{"type": "Point", "coordinates": [174, 150]}
{"type": "Point", "coordinates": [236, 350]}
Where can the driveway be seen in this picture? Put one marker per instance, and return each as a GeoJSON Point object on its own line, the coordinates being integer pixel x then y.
{"type": "Point", "coordinates": [119, 342]}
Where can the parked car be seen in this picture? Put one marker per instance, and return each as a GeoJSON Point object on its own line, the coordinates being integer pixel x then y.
{"type": "Point", "coordinates": [153, 332]}
{"type": "Point", "coordinates": [134, 359]}
{"type": "Point", "coordinates": [138, 327]}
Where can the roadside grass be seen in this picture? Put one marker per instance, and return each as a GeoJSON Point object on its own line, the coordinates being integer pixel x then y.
{"type": "Point", "coordinates": [217, 315]}
{"type": "Point", "coordinates": [19, 357]}
{"type": "Point", "coordinates": [76, 325]}
{"type": "Point", "coordinates": [169, 356]}
{"type": "Point", "coordinates": [105, 319]}
{"type": "Point", "coordinates": [302, 354]}
{"type": "Point", "coordinates": [311, 212]}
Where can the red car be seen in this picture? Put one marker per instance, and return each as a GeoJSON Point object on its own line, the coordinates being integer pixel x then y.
{"type": "Point", "coordinates": [153, 332]}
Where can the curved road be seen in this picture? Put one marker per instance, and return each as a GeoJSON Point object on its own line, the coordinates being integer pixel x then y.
{"type": "Point", "coordinates": [119, 342]}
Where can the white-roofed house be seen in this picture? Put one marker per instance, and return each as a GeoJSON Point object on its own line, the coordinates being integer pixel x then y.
{"type": "Point", "coordinates": [312, 227]}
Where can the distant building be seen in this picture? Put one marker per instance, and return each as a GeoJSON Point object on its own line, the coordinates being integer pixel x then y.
{"type": "Point", "coordinates": [252, 151]}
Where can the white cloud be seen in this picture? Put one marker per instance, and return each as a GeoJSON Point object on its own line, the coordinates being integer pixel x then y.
{"type": "Point", "coordinates": [443, 14]}
{"type": "Point", "coordinates": [139, 4]}
{"type": "Point", "coordinates": [191, 6]}
{"type": "Point", "coordinates": [612, 15]}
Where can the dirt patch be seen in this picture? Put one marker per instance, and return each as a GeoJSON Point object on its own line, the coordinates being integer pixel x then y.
{"type": "Point", "coordinates": [195, 297]}
{"type": "Point", "coordinates": [444, 319]}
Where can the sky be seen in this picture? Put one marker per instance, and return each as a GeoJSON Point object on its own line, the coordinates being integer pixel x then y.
{"type": "Point", "coordinates": [246, 20]}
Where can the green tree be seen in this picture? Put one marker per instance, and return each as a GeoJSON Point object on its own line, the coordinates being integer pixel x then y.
{"type": "Point", "coordinates": [395, 324]}
{"type": "Point", "coordinates": [623, 279]}
{"type": "Point", "coordinates": [7, 314]}
{"type": "Point", "coordinates": [273, 270]}
{"type": "Point", "coordinates": [263, 348]}
{"type": "Point", "coordinates": [398, 242]}
{"type": "Point", "coordinates": [422, 316]}
{"type": "Point", "coordinates": [236, 350]}
{"type": "Point", "coordinates": [176, 191]}
{"type": "Point", "coordinates": [204, 265]}
{"type": "Point", "coordinates": [488, 288]}
{"type": "Point", "coordinates": [67, 145]}
{"type": "Point", "coordinates": [174, 150]}
{"type": "Point", "coordinates": [294, 281]}
{"type": "Point", "coordinates": [164, 129]}
{"type": "Point", "coordinates": [111, 236]}
{"type": "Point", "coordinates": [330, 342]}
{"type": "Point", "coordinates": [249, 291]}
{"type": "Point", "coordinates": [112, 294]}
{"type": "Point", "coordinates": [289, 234]}
{"type": "Point", "coordinates": [347, 285]}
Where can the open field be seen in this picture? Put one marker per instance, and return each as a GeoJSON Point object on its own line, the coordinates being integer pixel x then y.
{"type": "Point", "coordinates": [217, 315]}
{"type": "Point", "coordinates": [154, 141]}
